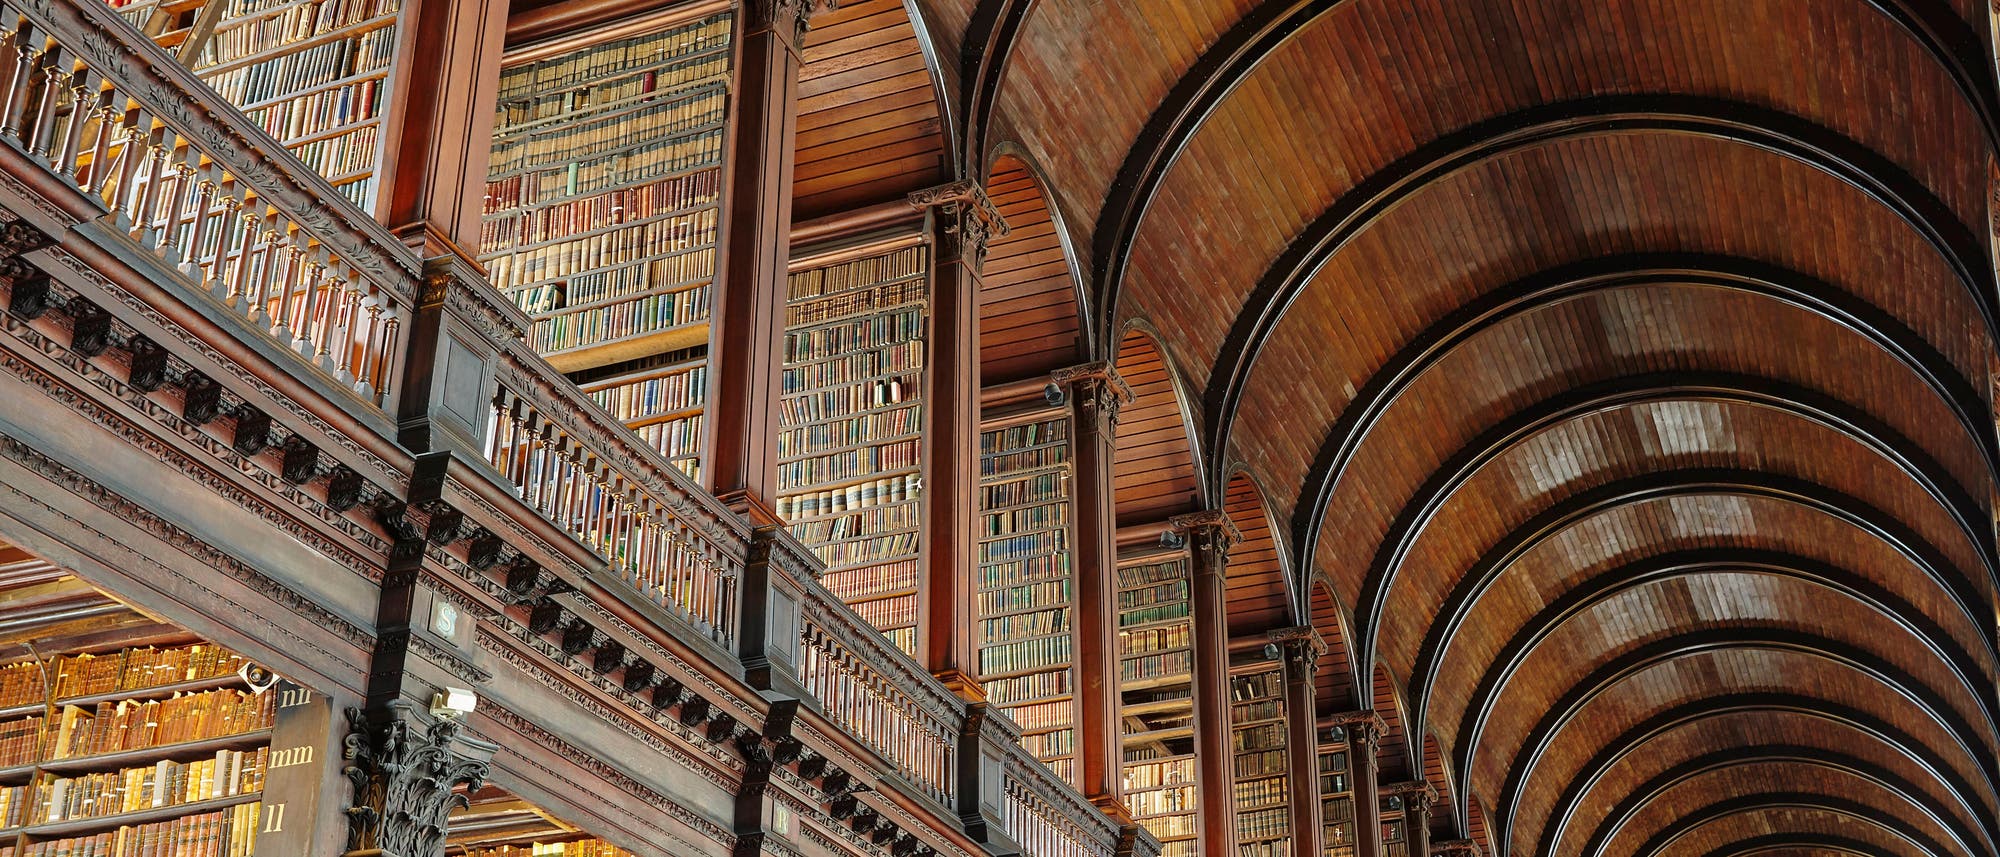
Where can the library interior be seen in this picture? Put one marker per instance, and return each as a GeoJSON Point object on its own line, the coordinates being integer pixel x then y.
{"type": "Point", "coordinates": [999, 428]}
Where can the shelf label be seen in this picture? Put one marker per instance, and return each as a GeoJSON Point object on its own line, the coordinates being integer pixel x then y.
{"type": "Point", "coordinates": [296, 773]}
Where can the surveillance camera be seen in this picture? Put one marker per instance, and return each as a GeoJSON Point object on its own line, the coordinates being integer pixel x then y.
{"type": "Point", "coordinates": [453, 702]}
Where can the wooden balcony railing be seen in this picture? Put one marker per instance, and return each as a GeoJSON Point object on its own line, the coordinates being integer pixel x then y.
{"type": "Point", "coordinates": [183, 177]}
{"type": "Point", "coordinates": [231, 223]}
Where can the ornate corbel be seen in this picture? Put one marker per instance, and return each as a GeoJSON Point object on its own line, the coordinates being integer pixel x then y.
{"type": "Point", "coordinates": [789, 19]}
{"type": "Point", "coordinates": [1207, 531]}
{"type": "Point", "coordinates": [1300, 646]}
{"type": "Point", "coordinates": [1362, 727]}
{"type": "Point", "coordinates": [1098, 391]}
{"type": "Point", "coordinates": [1416, 795]}
{"type": "Point", "coordinates": [968, 218]}
{"type": "Point", "coordinates": [1455, 848]}
{"type": "Point", "coordinates": [405, 769]}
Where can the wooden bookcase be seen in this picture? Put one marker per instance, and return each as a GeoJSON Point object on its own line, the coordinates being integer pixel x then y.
{"type": "Point", "coordinates": [662, 404]}
{"type": "Point", "coordinates": [1156, 695]}
{"type": "Point", "coordinates": [1257, 723]}
{"type": "Point", "coordinates": [1336, 796]}
{"type": "Point", "coordinates": [1395, 838]}
{"type": "Point", "coordinates": [1026, 584]}
{"type": "Point", "coordinates": [851, 420]}
{"type": "Point", "coordinates": [603, 189]}
{"type": "Point", "coordinates": [167, 746]}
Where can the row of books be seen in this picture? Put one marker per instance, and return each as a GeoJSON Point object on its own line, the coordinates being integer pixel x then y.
{"type": "Point", "coordinates": [130, 725]}
{"type": "Point", "coordinates": [994, 602]}
{"type": "Point", "coordinates": [673, 438]}
{"type": "Point", "coordinates": [834, 434]}
{"type": "Point", "coordinates": [857, 274]}
{"type": "Point", "coordinates": [1163, 773]}
{"type": "Point", "coordinates": [1043, 745]}
{"type": "Point", "coordinates": [872, 549]}
{"type": "Point", "coordinates": [844, 305]}
{"type": "Point", "coordinates": [1020, 572]}
{"type": "Point", "coordinates": [295, 72]}
{"type": "Point", "coordinates": [1256, 686]}
{"type": "Point", "coordinates": [165, 783]}
{"type": "Point", "coordinates": [128, 669]}
{"type": "Point", "coordinates": [1028, 688]}
{"type": "Point", "coordinates": [320, 110]}
{"type": "Point", "coordinates": [1269, 791]}
{"type": "Point", "coordinates": [872, 582]}
{"type": "Point", "coordinates": [605, 60]}
{"type": "Point", "coordinates": [835, 402]}
{"type": "Point", "coordinates": [578, 848]}
{"type": "Point", "coordinates": [234, 40]}
{"type": "Point", "coordinates": [1160, 639]}
{"type": "Point", "coordinates": [666, 79]}
{"type": "Point", "coordinates": [676, 272]}
{"type": "Point", "coordinates": [340, 156]}
{"type": "Point", "coordinates": [1039, 623]}
{"type": "Point", "coordinates": [903, 516]}
{"type": "Point", "coordinates": [875, 331]}
{"type": "Point", "coordinates": [1039, 488]}
{"type": "Point", "coordinates": [1278, 847]}
{"type": "Point", "coordinates": [1023, 546]}
{"type": "Point", "coordinates": [639, 242]}
{"type": "Point", "coordinates": [1263, 823]}
{"type": "Point", "coordinates": [888, 612]}
{"type": "Point", "coordinates": [1038, 433]}
{"type": "Point", "coordinates": [1154, 807]}
{"type": "Point", "coordinates": [1147, 573]}
{"type": "Point", "coordinates": [1027, 459]}
{"type": "Point", "coordinates": [644, 124]}
{"type": "Point", "coordinates": [1007, 657]}
{"type": "Point", "coordinates": [652, 397]}
{"type": "Point", "coordinates": [229, 832]}
{"type": "Point", "coordinates": [1149, 667]}
{"type": "Point", "coordinates": [641, 163]}
{"type": "Point", "coordinates": [1025, 519]}
{"type": "Point", "coordinates": [606, 322]}
{"type": "Point", "coordinates": [851, 463]}
{"type": "Point", "coordinates": [542, 222]}
{"type": "Point", "coordinates": [1251, 712]}
{"type": "Point", "coordinates": [1131, 616]}
{"type": "Point", "coordinates": [902, 358]}
{"type": "Point", "coordinates": [900, 488]}
{"type": "Point", "coordinates": [1259, 760]}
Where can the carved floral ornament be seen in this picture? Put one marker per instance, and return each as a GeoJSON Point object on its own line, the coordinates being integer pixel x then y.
{"type": "Point", "coordinates": [405, 775]}
{"type": "Point", "coordinates": [1301, 645]}
{"type": "Point", "coordinates": [1416, 795]}
{"type": "Point", "coordinates": [1097, 388]}
{"type": "Point", "coordinates": [772, 14]}
{"type": "Point", "coordinates": [966, 211]}
{"type": "Point", "coordinates": [1209, 529]}
{"type": "Point", "coordinates": [1362, 727]}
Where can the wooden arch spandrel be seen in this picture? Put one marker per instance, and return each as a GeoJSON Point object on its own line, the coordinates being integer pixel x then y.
{"type": "Point", "coordinates": [1030, 317]}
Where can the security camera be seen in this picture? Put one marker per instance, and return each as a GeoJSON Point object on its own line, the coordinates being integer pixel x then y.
{"type": "Point", "coordinates": [453, 703]}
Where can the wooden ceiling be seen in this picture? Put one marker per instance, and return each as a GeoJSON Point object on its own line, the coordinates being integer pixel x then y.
{"type": "Point", "coordinates": [1615, 370]}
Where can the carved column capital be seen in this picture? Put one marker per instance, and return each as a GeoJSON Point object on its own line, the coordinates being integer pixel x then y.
{"type": "Point", "coordinates": [1208, 530]}
{"type": "Point", "coordinates": [967, 215]}
{"type": "Point", "coordinates": [788, 19]}
{"type": "Point", "coordinates": [1098, 390]}
{"type": "Point", "coordinates": [1455, 848]}
{"type": "Point", "coordinates": [404, 767]}
{"type": "Point", "coordinates": [1362, 727]}
{"type": "Point", "coordinates": [1300, 646]}
{"type": "Point", "coordinates": [1417, 795]}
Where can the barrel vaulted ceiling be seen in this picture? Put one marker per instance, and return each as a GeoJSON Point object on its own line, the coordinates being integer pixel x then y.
{"type": "Point", "coordinates": [1607, 380]}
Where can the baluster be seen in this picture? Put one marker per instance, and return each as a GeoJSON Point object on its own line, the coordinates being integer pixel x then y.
{"type": "Point", "coordinates": [80, 113]}
{"type": "Point", "coordinates": [177, 203]}
{"type": "Point", "coordinates": [19, 82]}
{"type": "Point", "coordinates": [382, 384]}
{"type": "Point", "coordinates": [147, 212]}
{"type": "Point", "coordinates": [43, 133]}
{"type": "Point", "coordinates": [371, 367]}
{"type": "Point", "coordinates": [132, 156]}
{"type": "Point", "coordinates": [260, 286]}
{"type": "Point", "coordinates": [204, 214]}
{"type": "Point", "coordinates": [289, 257]}
{"type": "Point", "coordinates": [350, 304]}
{"type": "Point", "coordinates": [311, 278]}
{"type": "Point", "coordinates": [100, 148]}
{"type": "Point", "coordinates": [238, 223]}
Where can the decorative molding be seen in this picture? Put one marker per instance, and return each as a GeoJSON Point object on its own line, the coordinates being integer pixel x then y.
{"type": "Point", "coordinates": [404, 772]}
{"type": "Point", "coordinates": [967, 215]}
{"type": "Point", "coordinates": [790, 18]}
{"type": "Point", "coordinates": [1098, 391]}
{"type": "Point", "coordinates": [596, 766]}
{"type": "Point", "coordinates": [1301, 646]}
{"type": "Point", "coordinates": [1416, 794]}
{"type": "Point", "coordinates": [1209, 530]}
{"type": "Point", "coordinates": [1363, 727]}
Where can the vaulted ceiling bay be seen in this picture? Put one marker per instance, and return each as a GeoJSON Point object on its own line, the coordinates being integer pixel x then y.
{"type": "Point", "coordinates": [1605, 380]}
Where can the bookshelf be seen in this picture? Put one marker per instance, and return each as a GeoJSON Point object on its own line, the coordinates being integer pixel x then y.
{"type": "Point", "coordinates": [1156, 697]}
{"type": "Point", "coordinates": [602, 195]}
{"type": "Point", "coordinates": [850, 450]}
{"type": "Point", "coordinates": [1395, 839]}
{"type": "Point", "coordinates": [147, 747]}
{"type": "Point", "coordinates": [662, 403]}
{"type": "Point", "coordinates": [1257, 723]}
{"type": "Point", "coordinates": [1336, 795]}
{"type": "Point", "coordinates": [1026, 586]}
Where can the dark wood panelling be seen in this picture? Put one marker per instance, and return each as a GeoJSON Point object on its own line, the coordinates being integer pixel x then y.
{"type": "Point", "coordinates": [1395, 743]}
{"type": "Point", "coordinates": [1259, 599]}
{"type": "Point", "coordinates": [1334, 682]}
{"type": "Point", "coordinates": [1154, 470]}
{"type": "Point", "coordinates": [868, 119]}
{"type": "Point", "coordinates": [1028, 312]}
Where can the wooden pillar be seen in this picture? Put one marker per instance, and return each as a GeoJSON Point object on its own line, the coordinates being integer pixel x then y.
{"type": "Point", "coordinates": [441, 128]}
{"type": "Point", "coordinates": [747, 324]}
{"type": "Point", "coordinates": [962, 220]}
{"type": "Point", "coordinates": [1097, 393]}
{"type": "Point", "coordinates": [1210, 535]}
{"type": "Point", "coordinates": [1300, 648]}
{"type": "Point", "coordinates": [1418, 800]}
{"type": "Point", "coordinates": [1362, 731]}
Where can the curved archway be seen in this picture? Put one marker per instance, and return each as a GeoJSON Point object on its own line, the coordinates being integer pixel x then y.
{"type": "Point", "coordinates": [1031, 315]}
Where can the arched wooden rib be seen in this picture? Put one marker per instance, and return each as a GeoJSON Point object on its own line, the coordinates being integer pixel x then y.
{"type": "Point", "coordinates": [1789, 800]}
{"type": "Point", "coordinates": [1956, 243]}
{"type": "Point", "coordinates": [1779, 842]}
{"type": "Point", "coordinates": [1736, 757]}
{"type": "Point", "coordinates": [1951, 43]}
{"type": "Point", "coordinates": [1665, 650]}
{"type": "Point", "coordinates": [984, 53]}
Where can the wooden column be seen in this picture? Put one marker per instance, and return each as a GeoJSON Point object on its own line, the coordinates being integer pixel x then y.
{"type": "Point", "coordinates": [961, 220]}
{"type": "Point", "coordinates": [1418, 799]}
{"type": "Point", "coordinates": [1210, 535]}
{"type": "Point", "coordinates": [1097, 393]}
{"type": "Point", "coordinates": [747, 323]}
{"type": "Point", "coordinates": [441, 128]}
{"type": "Point", "coordinates": [1300, 648]}
{"type": "Point", "coordinates": [1362, 731]}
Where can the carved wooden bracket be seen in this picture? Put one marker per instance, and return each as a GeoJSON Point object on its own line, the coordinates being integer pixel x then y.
{"type": "Point", "coordinates": [1362, 727]}
{"type": "Point", "coordinates": [1208, 530]}
{"type": "Point", "coordinates": [1300, 646]}
{"type": "Point", "coordinates": [1098, 390]}
{"type": "Point", "coordinates": [404, 770]}
{"type": "Point", "coordinates": [968, 216]}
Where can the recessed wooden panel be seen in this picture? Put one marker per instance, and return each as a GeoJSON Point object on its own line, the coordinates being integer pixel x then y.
{"type": "Point", "coordinates": [1393, 758]}
{"type": "Point", "coordinates": [1259, 598]}
{"type": "Point", "coordinates": [868, 127]}
{"type": "Point", "coordinates": [1334, 682]}
{"type": "Point", "coordinates": [1028, 313]}
{"type": "Point", "coordinates": [1154, 466]}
